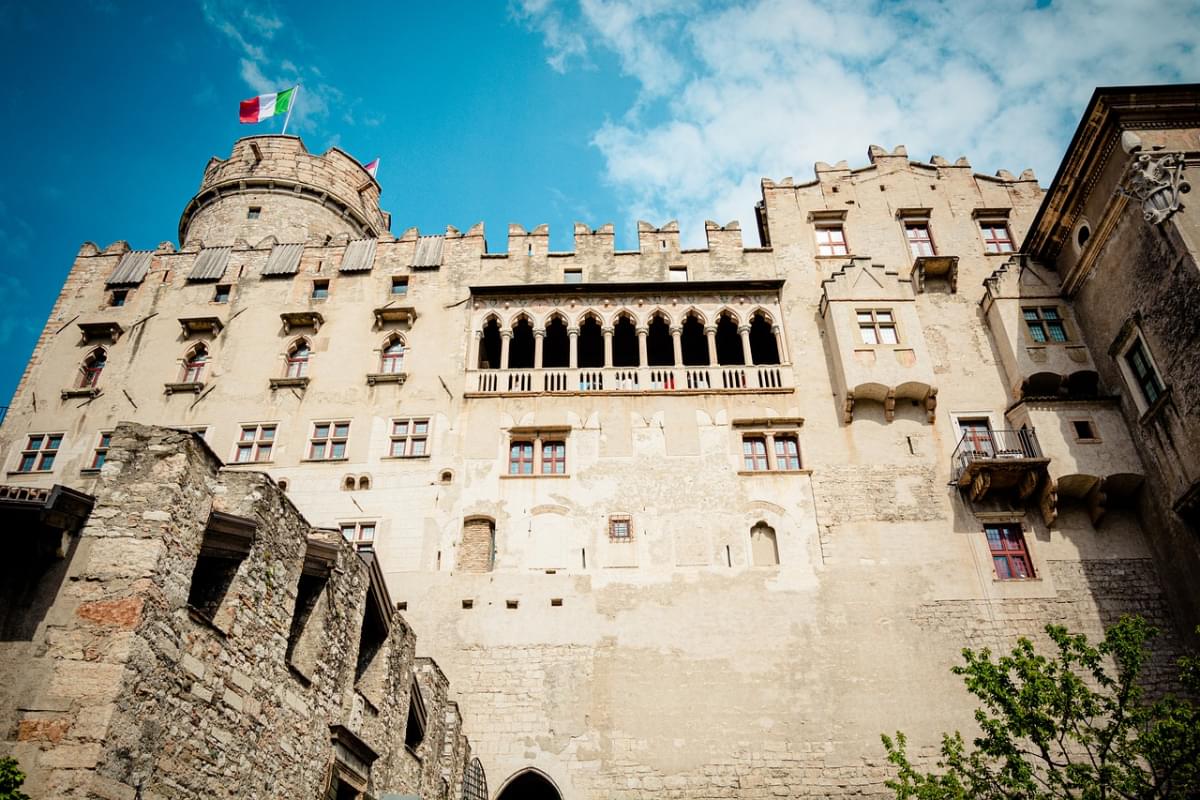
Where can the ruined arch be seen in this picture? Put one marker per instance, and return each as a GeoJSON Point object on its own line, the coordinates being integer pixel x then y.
{"type": "Point", "coordinates": [529, 784]}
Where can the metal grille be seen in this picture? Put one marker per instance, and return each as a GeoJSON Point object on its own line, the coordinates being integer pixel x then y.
{"type": "Point", "coordinates": [474, 782]}
{"type": "Point", "coordinates": [210, 264]}
{"type": "Point", "coordinates": [284, 259]}
{"type": "Point", "coordinates": [132, 269]}
{"type": "Point", "coordinates": [429, 252]}
{"type": "Point", "coordinates": [360, 256]}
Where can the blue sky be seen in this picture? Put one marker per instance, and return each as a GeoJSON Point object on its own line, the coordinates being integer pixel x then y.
{"type": "Point", "coordinates": [530, 111]}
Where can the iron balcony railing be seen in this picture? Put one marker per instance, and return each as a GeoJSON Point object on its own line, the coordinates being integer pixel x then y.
{"type": "Point", "coordinates": [994, 446]}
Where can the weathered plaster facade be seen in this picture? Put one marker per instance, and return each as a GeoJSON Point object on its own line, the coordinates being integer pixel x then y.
{"type": "Point", "coordinates": [672, 521]}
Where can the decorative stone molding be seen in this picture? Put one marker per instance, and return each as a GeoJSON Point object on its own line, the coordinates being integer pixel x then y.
{"type": "Point", "coordinates": [1156, 181]}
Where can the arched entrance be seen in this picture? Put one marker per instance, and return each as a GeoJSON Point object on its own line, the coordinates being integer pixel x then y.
{"type": "Point", "coordinates": [529, 785]}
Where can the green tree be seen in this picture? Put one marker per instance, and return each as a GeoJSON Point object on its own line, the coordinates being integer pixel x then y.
{"type": "Point", "coordinates": [1076, 725]}
{"type": "Point", "coordinates": [11, 779]}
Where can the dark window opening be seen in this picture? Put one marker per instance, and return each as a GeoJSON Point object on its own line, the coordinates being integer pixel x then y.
{"type": "Point", "coordinates": [694, 343]}
{"type": "Point", "coordinates": [489, 345]}
{"type": "Point", "coordinates": [660, 351]}
{"type": "Point", "coordinates": [764, 348]}
{"type": "Point", "coordinates": [625, 343]}
{"type": "Point", "coordinates": [591, 344]}
{"type": "Point", "coordinates": [414, 727]}
{"type": "Point", "coordinates": [307, 595]}
{"type": "Point", "coordinates": [529, 786]}
{"type": "Point", "coordinates": [370, 640]}
{"type": "Point", "coordinates": [1143, 372]}
{"type": "Point", "coordinates": [400, 286]}
{"type": "Point", "coordinates": [211, 579]}
{"type": "Point", "coordinates": [221, 293]}
{"type": "Point", "coordinates": [729, 342]}
{"type": "Point", "coordinates": [520, 349]}
{"type": "Point", "coordinates": [556, 348]}
{"type": "Point", "coordinates": [93, 365]}
{"type": "Point", "coordinates": [1083, 429]}
{"type": "Point", "coordinates": [254, 212]}
{"type": "Point", "coordinates": [572, 275]}
{"type": "Point", "coordinates": [118, 297]}
{"type": "Point", "coordinates": [320, 290]}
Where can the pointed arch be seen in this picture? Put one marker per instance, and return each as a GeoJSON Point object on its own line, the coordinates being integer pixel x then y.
{"type": "Point", "coordinates": [489, 343]}
{"type": "Point", "coordinates": [591, 340]}
{"type": "Point", "coordinates": [391, 354]}
{"type": "Point", "coordinates": [521, 348]}
{"type": "Point", "coordinates": [298, 353]}
{"type": "Point", "coordinates": [556, 349]}
{"type": "Point", "coordinates": [764, 346]}
{"type": "Point", "coordinates": [625, 342]}
{"type": "Point", "coordinates": [729, 341]}
{"type": "Point", "coordinates": [91, 367]}
{"type": "Point", "coordinates": [194, 362]}
{"type": "Point", "coordinates": [693, 340]}
{"type": "Point", "coordinates": [529, 784]}
{"type": "Point", "coordinates": [660, 350]}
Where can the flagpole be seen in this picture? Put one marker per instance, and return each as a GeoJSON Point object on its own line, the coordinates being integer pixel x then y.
{"type": "Point", "coordinates": [289, 111]}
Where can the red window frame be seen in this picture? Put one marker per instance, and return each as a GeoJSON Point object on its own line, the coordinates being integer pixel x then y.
{"type": "Point", "coordinates": [297, 360]}
{"type": "Point", "coordinates": [40, 452]}
{"type": "Point", "coordinates": [520, 457]}
{"type": "Point", "coordinates": [1010, 554]}
{"type": "Point", "coordinates": [920, 240]}
{"type": "Point", "coordinates": [831, 241]}
{"type": "Point", "coordinates": [996, 237]}
{"type": "Point", "coordinates": [787, 452]}
{"type": "Point", "coordinates": [193, 367]}
{"type": "Point", "coordinates": [100, 454]}
{"type": "Point", "coordinates": [391, 359]}
{"type": "Point", "coordinates": [754, 453]}
{"type": "Point", "coordinates": [93, 365]}
{"type": "Point", "coordinates": [554, 457]}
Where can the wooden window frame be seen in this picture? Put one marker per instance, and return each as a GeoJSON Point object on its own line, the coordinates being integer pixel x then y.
{"type": "Point", "coordinates": [37, 455]}
{"type": "Point", "coordinates": [994, 244]}
{"type": "Point", "coordinates": [1148, 382]}
{"type": "Point", "coordinates": [296, 364]}
{"type": "Point", "coordinates": [1009, 548]}
{"type": "Point", "coordinates": [392, 363]}
{"type": "Point", "coordinates": [323, 444]}
{"type": "Point", "coordinates": [257, 443]}
{"type": "Point", "coordinates": [556, 463]}
{"type": "Point", "coordinates": [783, 459]}
{"type": "Point", "coordinates": [356, 536]}
{"type": "Point", "coordinates": [752, 459]}
{"type": "Point", "coordinates": [409, 439]}
{"type": "Point", "coordinates": [320, 290]}
{"type": "Point", "coordinates": [876, 326]}
{"type": "Point", "coordinates": [520, 455]}
{"type": "Point", "coordinates": [835, 246]}
{"type": "Point", "coordinates": [92, 367]}
{"type": "Point", "coordinates": [100, 452]}
{"type": "Point", "coordinates": [916, 244]}
{"type": "Point", "coordinates": [194, 363]}
{"type": "Point", "coordinates": [1039, 324]}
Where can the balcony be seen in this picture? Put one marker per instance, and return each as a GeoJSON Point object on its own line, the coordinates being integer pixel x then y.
{"type": "Point", "coordinates": [991, 463]}
{"type": "Point", "coordinates": [769, 379]}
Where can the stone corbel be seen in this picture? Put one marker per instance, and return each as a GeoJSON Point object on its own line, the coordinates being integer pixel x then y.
{"type": "Point", "coordinates": [1049, 502]}
{"type": "Point", "coordinates": [889, 405]}
{"type": "Point", "coordinates": [931, 405]}
{"type": "Point", "coordinates": [848, 410]}
{"type": "Point", "coordinates": [1097, 503]}
{"type": "Point", "coordinates": [980, 485]}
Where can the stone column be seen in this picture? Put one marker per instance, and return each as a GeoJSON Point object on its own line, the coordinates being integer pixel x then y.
{"type": "Point", "coordinates": [539, 336]}
{"type": "Point", "coordinates": [573, 337]}
{"type": "Point", "coordinates": [478, 347]}
{"type": "Point", "coordinates": [643, 352]}
{"type": "Point", "coordinates": [505, 339]}
{"type": "Point", "coordinates": [783, 357]}
{"type": "Point", "coordinates": [747, 352]}
{"type": "Point", "coordinates": [677, 344]}
{"type": "Point", "coordinates": [710, 331]}
{"type": "Point", "coordinates": [608, 339]}
{"type": "Point", "coordinates": [771, 465]}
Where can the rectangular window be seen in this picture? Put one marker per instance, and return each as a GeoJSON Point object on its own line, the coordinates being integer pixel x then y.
{"type": "Point", "coordinates": [1143, 372]}
{"type": "Point", "coordinates": [877, 327]}
{"type": "Point", "coordinates": [118, 297]}
{"type": "Point", "coordinates": [409, 437]}
{"type": "Point", "coordinates": [1085, 430]}
{"type": "Point", "coordinates": [754, 453]}
{"type": "Point", "coordinates": [572, 276]}
{"type": "Point", "coordinates": [1045, 324]}
{"type": "Point", "coordinates": [320, 290]}
{"type": "Point", "coordinates": [978, 435]}
{"type": "Point", "coordinates": [520, 458]}
{"type": "Point", "coordinates": [996, 238]}
{"type": "Point", "coordinates": [40, 452]}
{"type": "Point", "coordinates": [620, 528]}
{"type": "Point", "coordinates": [100, 454]}
{"type": "Point", "coordinates": [399, 287]}
{"type": "Point", "coordinates": [787, 452]}
{"type": "Point", "coordinates": [221, 293]}
{"type": "Point", "coordinates": [359, 534]}
{"type": "Point", "coordinates": [554, 458]}
{"type": "Point", "coordinates": [831, 241]}
{"type": "Point", "coordinates": [254, 212]}
{"type": "Point", "coordinates": [255, 443]}
{"type": "Point", "coordinates": [1010, 557]}
{"type": "Point", "coordinates": [328, 441]}
{"type": "Point", "coordinates": [677, 274]}
{"type": "Point", "coordinates": [919, 240]}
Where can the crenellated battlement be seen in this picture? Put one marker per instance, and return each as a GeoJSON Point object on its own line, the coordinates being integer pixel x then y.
{"type": "Point", "coordinates": [880, 158]}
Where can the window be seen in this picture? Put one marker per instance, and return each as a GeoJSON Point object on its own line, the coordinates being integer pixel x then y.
{"type": "Point", "coordinates": [93, 365]}
{"type": "Point", "coordinates": [787, 452]}
{"type": "Point", "coordinates": [254, 212]}
{"type": "Point", "coordinates": [297, 360]}
{"type": "Point", "coordinates": [221, 293]}
{"type": "Point", "coordinates": [572, 276]}
{"type": "Point", "coordinates": [877, 327]}
{"type": "Point", "coordinates": [764, 547]}
{"type": "Point", "coordinates": [620, 528]}
{"type": "Point", "coordinates": [919, 240]}
{"type": "Point", "coordinates": [1143, 372]}
{"type": "Point", "coordinates": [391, 358]}
{"type": "Point", "coordinates": [1085, 430]}
{"type": "Point", "coordinates": [255, 443]}
{"type": "Point", "coordinates": [554, 458]}
{"type": "Point", "coordinates": [677, 274]}
{"type": "Point", "coordinates": [978, 434]}
{"type": "Point", "coordinates": [100, 454]}
{"type": "Point", "coordinates": [1010, 557]}
{"type": "Point", "coordinates": [996, 238]}
{"type": "Point", "coordinates": [1045, 324]}
{"type": "Point", "coordinates": [193, 364]}
{"type": "Point", "coordinates": [320, 290]}
{"type": "Point", "coordinates": [118, 297]}
{"type": "Point", "coordinates": [409, 437]}
{"type": "Point", "coordinates": [359, 534]}
{"type": "Point", "coordinates": [328, 441]}
{"type": "Point", "coordinates": [39, 452]}
{"type": "Point", "coordinates": [754, 453]}
{"type": "Point", "coordinates": [831, 241]}
{"type": "Point", "coordinates": [399, 287]}
{"type": "Point", "coordinates": [520, 458]}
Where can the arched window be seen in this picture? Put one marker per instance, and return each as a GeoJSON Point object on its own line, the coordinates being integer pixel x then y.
{"type": "Point", "coordinates": [297, 359]}
{"type": "Point", "coordinates": [530, 784]}
{"type": "Point", "coordinates": [660, 350]}
{"type": "Point", "coordinates": [489, 345]}
{"type": "Point", "coordinates": [391, 359]}
{"type": "Point", "coordinates": [556, 350]}
{"type": "Point", "coordinates": [193, 364]}
{"type": "Point", "coordinates": [474, 782]}
{"type": "Point", "coordinates": [521, 348]}
{"type": "Point", "coordinates": [729, 341]}
{"type": "Point", "coordinates": [763, 546]}
{"type": "Point", "coordinates": [591, 343]}
{"type": "Point", "coordinates": [764, 347]}
{"type": "Point", "coordinates": [694, 342]}
{"type": "Point", "coordinates": [625, 342]}
{"type": "Point", "coordinates": [92, 366]}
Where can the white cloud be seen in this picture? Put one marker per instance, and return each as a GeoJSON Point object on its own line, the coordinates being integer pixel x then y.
{"type": "Point", "coordinates": [735, 91]}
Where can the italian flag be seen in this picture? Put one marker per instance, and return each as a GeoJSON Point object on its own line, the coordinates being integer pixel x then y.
{"type": "Point", "coordinates": [256, 109]}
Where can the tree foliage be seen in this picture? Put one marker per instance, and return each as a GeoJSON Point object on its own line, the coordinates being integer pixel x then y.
{"type": "Point", "coordinates": [11, 779]}
{"type": "Point", "coordinates": [1075, 725]}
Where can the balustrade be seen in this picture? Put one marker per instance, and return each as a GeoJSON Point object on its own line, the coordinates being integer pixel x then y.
{"type": "Point", "coordinates": [773, 378]}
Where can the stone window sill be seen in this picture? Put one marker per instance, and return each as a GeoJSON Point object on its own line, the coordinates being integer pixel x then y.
{"type": "Point", "coordinates": [324, 460]}
{"type": "Point", "coordinates": [90, 471]}
{"type": "Point", "coordinates": [774, 472]}
{"type": "Point", "coordinates": [836, 255]}
{"type": "Point", "coordinates": [286, 383]}
{"type": "Point", "coordinates": [89, 391]}
{"type": "Point", "coordinates": [405, 458]}
{"type": "Point", "coordinates": [16, 473]}
{"type": "Point", "coordinates": [267, 462]}
{"type": "Point", "coordinates": [538, 475]}
{"type": "Point", "coordinates": [387, 377]}
{"type": "Point", "coordinates": [189, 387]}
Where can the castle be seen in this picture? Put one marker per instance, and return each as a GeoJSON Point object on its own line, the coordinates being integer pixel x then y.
{"type": "Point", "coordinates": [301, 508]}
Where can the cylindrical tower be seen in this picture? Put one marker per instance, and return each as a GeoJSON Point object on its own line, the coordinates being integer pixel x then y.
{"type": "Point", "coordinates": [272, 186]}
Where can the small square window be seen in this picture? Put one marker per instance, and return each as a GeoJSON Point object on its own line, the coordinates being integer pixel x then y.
{"type": "Point", "coordinates": [328, 441]}
{"type": "Point", "coordinates": [40, 451]}
{"type": "Point", "coordinates": [1010, 556]}
{"type": "Point", "coordinates": [1085, 430]}
{"type": "Point", "coordinates": [620, 528]}
{"type": "Point", "coordinates": [409, 437]}
{"type": "Point", "coordinates": [359, 534]}
{"type": "Point", "coordinates": [399, 287]}
{"type": "Point", "coordinates": [117, 297]}
{"type": "Point", "coordinates": [255, 443]}
{"type": "Point", "coordinates": [221, 293]}
{"type": "Point", "coordinates": [919, 240]}
{"type": "Point", "coordinates": [996, 238]}
{"type": "Point", "coordinates": [677, 274]}
{"type": "Point", "coordinates": [831, 241]}
{"type": "Point", "coordinates": [320, 290]}
{"type": "Point", "coordinates": [572, 276]}
{"type": "Point", "coordinates": [254, 212]}
{"type": "Point", "coordinates": [520, 458]}
{"type": "Point", "coordinates": [877, 327]}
